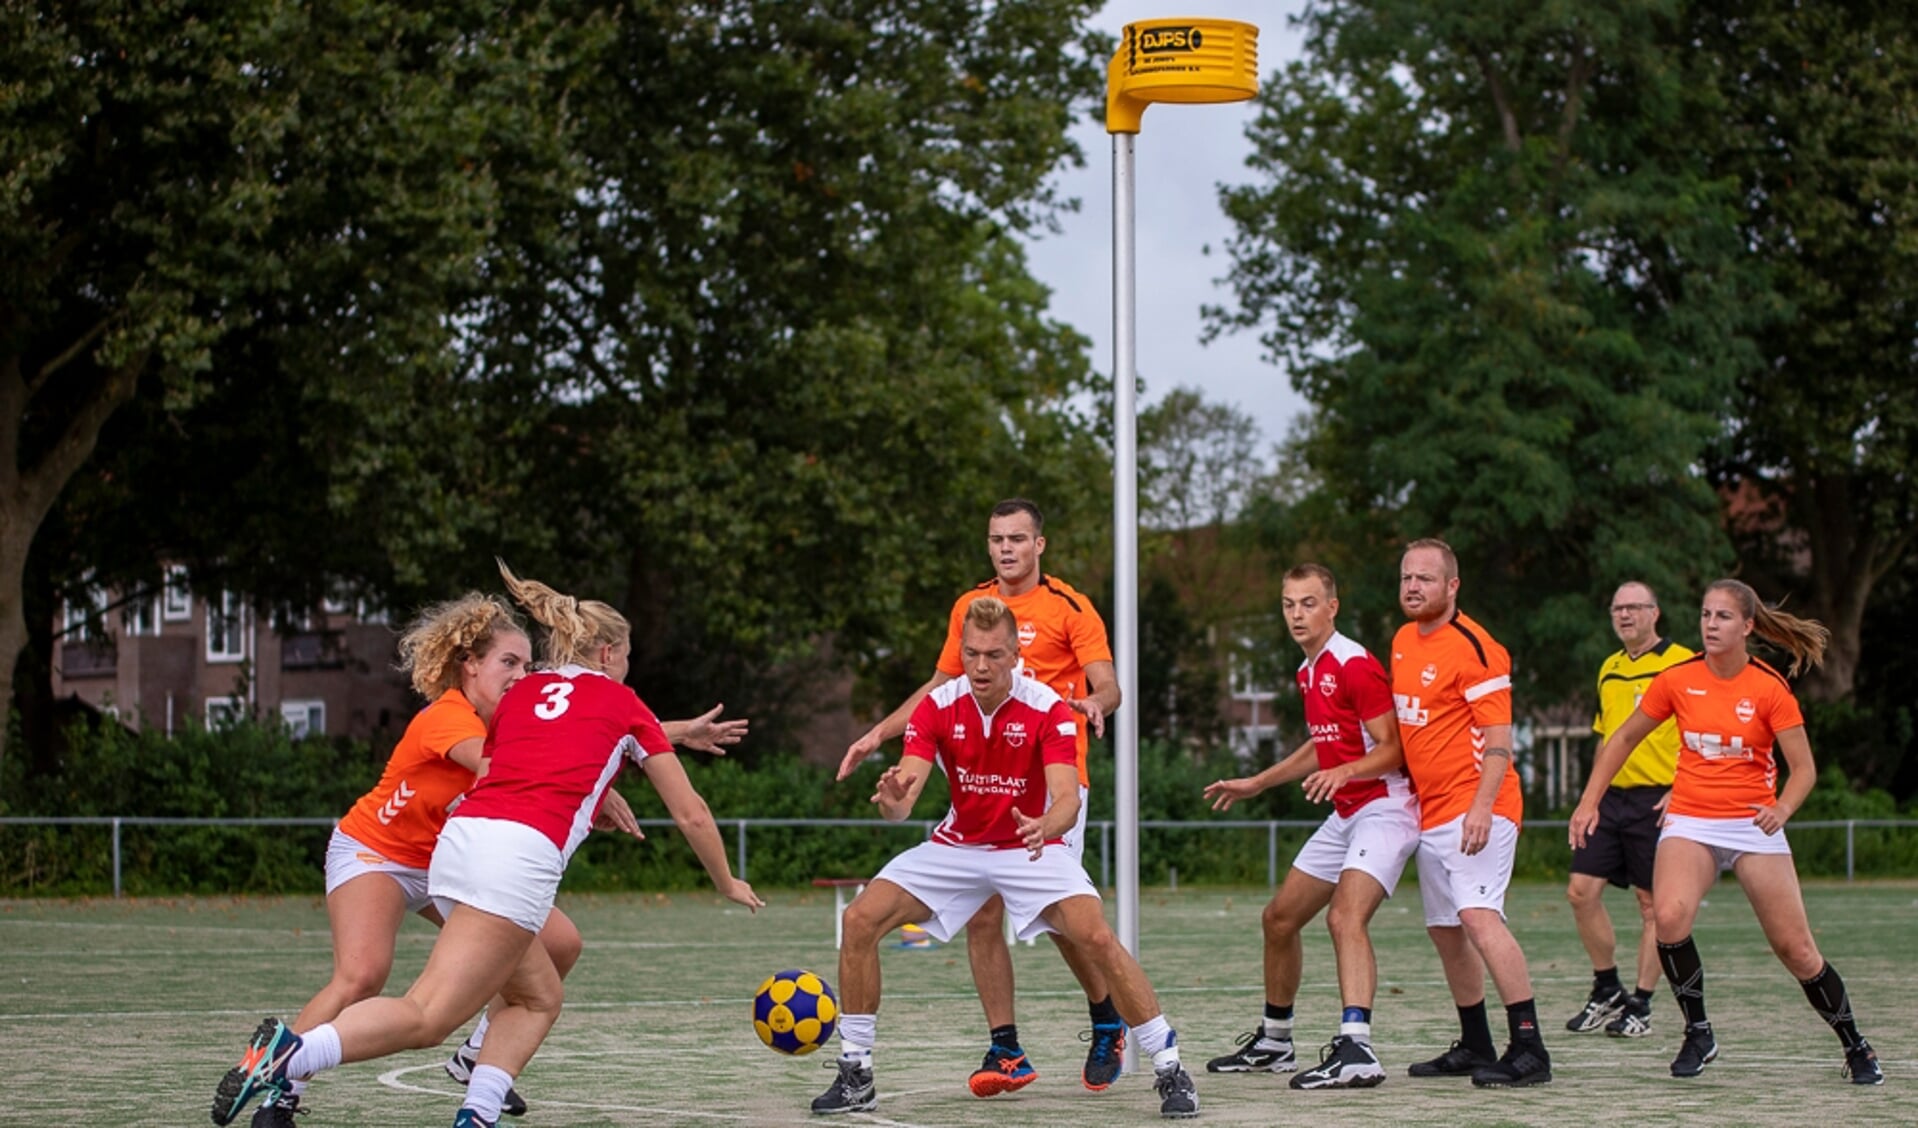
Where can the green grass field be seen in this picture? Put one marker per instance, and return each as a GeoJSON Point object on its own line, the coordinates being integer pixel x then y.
{"type": "Point", "coordinates": [128, 1013]}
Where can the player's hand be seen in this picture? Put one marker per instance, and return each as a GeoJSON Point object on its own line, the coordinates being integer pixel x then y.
{"type": "Point", "coordinates": [1030, 832]}
{"type": "Point", "coordinates": [1584, 822]}
{"type": "Point", "coordinates": [1767, 818]}
{"type": "Point", "coordinates": [1225, 792]}
{"type": "Point", "coordinates": [1474, 832]}
{"type": "Point", "coordinates": [857, 753]}
{"type": "Point", "coordinates": [1095, 714]}
{"type": "Point", "coordinates": [1320, 785]}
{"type": "Point", "coordinates": [615, 813]}
{"type": "Point", "coordinates": [742, 894]}
{"type": "Point", "coordinates": [893, 788]}
{"type": "Point", "coordinates": [707, 733]}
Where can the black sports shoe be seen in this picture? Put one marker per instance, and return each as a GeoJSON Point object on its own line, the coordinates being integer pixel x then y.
{"type": "Point", "coordinates": [1635, 1021]}
{"type": "Point", "coordinates": [1601, 1008]}
{"type": "Point", "coordinates": [277, 1112]}
{"type": "Point", "coordinates": [1256, 1054]}
{"type": "Point", "coordinates": [1524, 1063]}
{"type": "Point", "coordinates": [1178, 1097]}
{"type": "Point", "coordinates": [460, 1068]}
{"type": "Point", "coordinates": [1699, 1048]}
{"type": "Point", "coordinates": [852, 1091]}
{"type": "Point", "coordinates": [1105, 1057]}
{"type": "Point", "coordinates": [1455, 1062]}
{"type": "Point", "coordinates": [1861, 1065]}
{"type": "Point", "coordinates": [1346, 1064]}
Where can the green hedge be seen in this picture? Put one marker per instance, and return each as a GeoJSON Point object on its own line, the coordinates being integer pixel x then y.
{"type": "Point", "coordinates": [254, 770]}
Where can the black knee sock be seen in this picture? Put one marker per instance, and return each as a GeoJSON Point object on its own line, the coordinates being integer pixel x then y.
{"type": "Point", "coordinates": [1686, 974]}
{"type": "Point", "coordinates": [1475, 1030]}
{"type": "Point", "coordinates": [1006, 1037]}
{"type": "Point", "coordinates": [1522, 1019]}
{"type": "Point", "coordinates": [1103, 1012]}
{"type": "Point", "coordinates": [1829, 998]}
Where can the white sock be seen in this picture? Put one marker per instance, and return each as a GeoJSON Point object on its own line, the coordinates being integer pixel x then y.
{"type": "Point", "coordinates": [486, 1092]}
{"type": "Point", "coordinates": [1276, 1029]}
{"type": "Point", "coordinates": [478, 1037]}
{"type": "Point", "coordinates": [857, 1032]}
{"type": "Point", "coordinates": [1156, 1037]}
{"type": "Point", "coordinates": [297, 1088]}
{"type": "Point", "coordinates": [1360, 1030]}
{"type": "Point", "coordinates": [319, 1051]}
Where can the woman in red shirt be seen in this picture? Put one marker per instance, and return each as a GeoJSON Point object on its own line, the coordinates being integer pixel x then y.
{"type": "Point", "coordinates": [1725, 809]}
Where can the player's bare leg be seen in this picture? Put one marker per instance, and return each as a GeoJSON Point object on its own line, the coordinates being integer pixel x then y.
{"type": "Point", "coordinates": [881, 907]}
{"type": "Point", "coordinates": [1005, 1068]}
{"type": "Point", "coordinates": [1268, 1048]}
{"type": "Point", "coordinates": [1586, 894]}
{"type": "Point", "coordinates": [1683, 873]}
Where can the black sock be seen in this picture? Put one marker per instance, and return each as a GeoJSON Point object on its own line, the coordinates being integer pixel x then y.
{"type": "Point", "coordinates": [1606, 979]}
{"type": "Point", "coordinates": [1277, 1013]}
{"type": "Point", "coordinates": [1829, 998]}
{"type": "Point", "coordinates": [1475, 1030]}
{"type": "Point", "coordinates": [1643, 995]}
{"type": "Point", "coordinates": [1006, 1037]}
{"type": "Point", "coordinates": [1522, 1019]}
{"type": "Point", "coordinates": [1103, 1012]}
{"type": "Point", "coordinates": [1686, 974]}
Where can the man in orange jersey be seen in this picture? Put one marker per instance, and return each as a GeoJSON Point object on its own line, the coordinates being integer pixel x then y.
{"type": "Point", "coordinates": [1452, 683]}
{"type": "Point", "coordinates": [1062, 643]}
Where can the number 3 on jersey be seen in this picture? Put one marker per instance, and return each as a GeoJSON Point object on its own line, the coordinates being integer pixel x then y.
{"type": "Point", "coordinates": [555, 703]}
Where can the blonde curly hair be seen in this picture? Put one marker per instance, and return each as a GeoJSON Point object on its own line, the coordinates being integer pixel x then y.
{"type": "Point", "coordinates": [575, 628]}
{"type": "Point", "coordinates": [446, 634]}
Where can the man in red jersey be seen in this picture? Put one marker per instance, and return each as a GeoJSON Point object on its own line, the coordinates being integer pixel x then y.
{"type": "Point", "coordinates": [1062, 644]}
{"type": "Point", "coordinates": [1006, 744]}
{"type": "Point", "coordinates": [1353, 862]}
{"type": "Point", "coordinates": [1452, 683]}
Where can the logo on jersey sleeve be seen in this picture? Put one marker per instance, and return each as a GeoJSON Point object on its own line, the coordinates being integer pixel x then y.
{"type": "Point", "coordinates": [1411, 709]}
{"type": "Point", "coordinates": [1745, 710]}
{"type": "Point", "coordinates": [1015, 733]}
{"type": "Point", "coordinates": [1328, 683]}
{"type": "Point", "coordinates": [910, 732]}
{"type": "Point", "coordinates": [1429, 674]}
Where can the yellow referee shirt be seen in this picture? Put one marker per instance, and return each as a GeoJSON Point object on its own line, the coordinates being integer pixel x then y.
{"type": "Point", "coordinates": [1621, 682]}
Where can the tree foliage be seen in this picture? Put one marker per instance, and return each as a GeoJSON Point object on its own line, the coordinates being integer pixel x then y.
{"type": "Point", "coordinates": [1516, 302]}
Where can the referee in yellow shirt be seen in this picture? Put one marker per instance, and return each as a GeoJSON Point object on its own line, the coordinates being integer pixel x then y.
{"type": "Point", "coordinates": [1621, 850]}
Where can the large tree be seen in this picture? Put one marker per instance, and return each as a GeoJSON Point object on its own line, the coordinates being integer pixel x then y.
{"type": "Point", "coordinates": [1514, 299]}
{"type": "Point", "coordinates": [201, 197]}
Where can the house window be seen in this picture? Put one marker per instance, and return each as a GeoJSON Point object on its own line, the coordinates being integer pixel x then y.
{"type": "Point", "coordinates": [176, 599]}
{"type": "Point", "coordinates": [304, 718]}
{"type": "Point", "coordinates": [227, 620]}
{"type": "Point", "coordinates": [141, 617]}
{"type": "Point", "coordinates": [223, 712]}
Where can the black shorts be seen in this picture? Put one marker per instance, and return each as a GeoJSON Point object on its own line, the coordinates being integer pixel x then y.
{"type": "Point", "coordinates": [1621, 848]}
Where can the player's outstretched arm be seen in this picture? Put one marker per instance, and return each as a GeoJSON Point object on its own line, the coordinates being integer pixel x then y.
{"type": "Point", "coordinates": [695, 821]}
{"type": "Point", "coordinates": [894, 724]}
{"type": "Point", "coordinates": [615, 813]}
{"type": "Point", "coordinates": [899, 787]}
{"type": "Point", "coordinates": [1611, 757]}
{"type": "Point", "coordinates": [706, 732]}
{"type": "Point", "coordinates": [1225, 792]}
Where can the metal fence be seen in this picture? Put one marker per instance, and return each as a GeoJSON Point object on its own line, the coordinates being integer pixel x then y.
{"type": "Point", "coordinates": [741, 828]}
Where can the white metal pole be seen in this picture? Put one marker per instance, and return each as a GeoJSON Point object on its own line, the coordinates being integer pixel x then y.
{"type": "Point", "coordinates": [1125, 536]}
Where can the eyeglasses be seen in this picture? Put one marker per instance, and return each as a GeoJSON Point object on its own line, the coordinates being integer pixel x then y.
{"type": "Point", "coordinates": [1633, 608]}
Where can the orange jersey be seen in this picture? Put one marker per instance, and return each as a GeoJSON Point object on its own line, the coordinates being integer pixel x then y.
{"type": "Point", "coordinates": [1060, 634]}
{"type": "Point", "coordinates": [402, 816]}
{"type": "Point", "coordinates": [1726, 728]}
{"type": "Point", "coordinates": [1449, 686]}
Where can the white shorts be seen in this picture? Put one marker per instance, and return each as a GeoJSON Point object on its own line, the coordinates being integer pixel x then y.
{"type": "Point", "coordinates": [1075, 839]}
{"type": "Point", "coordinates": [1378, 839]}
{"type": "Point", "coordinates": [1450, 881]}
{"type": "Point", "coordinates": [497, 866]}
{"type": "Point", "coordinates": [347, 858]}
{"type": "Point", "coordinates": [1729, 839]}
{"type": "Point", "coordinates": [953, 881]}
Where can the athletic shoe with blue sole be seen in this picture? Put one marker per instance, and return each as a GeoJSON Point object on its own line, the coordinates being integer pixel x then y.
{"type": "Point", "coordinates": [262, 1069]}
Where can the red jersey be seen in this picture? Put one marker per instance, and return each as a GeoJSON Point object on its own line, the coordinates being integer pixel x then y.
{"type": "Point", "coordinates": [1450, 686]}
{"type": "Point", "coordinates": [993, 763]}
{"type": "Point", "coordinates": [401, 817]}
{"type": "Point", "coordinates": [1060, 634]}
{"type": "Point", "coordinates": [1342, 689]}
{"type": "Point", "coordinates": [559, 738]}
{"type": "Point", "coordinates": [1726, 729]}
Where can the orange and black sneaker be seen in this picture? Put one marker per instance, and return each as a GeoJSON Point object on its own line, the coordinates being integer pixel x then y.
{"type": "Point", "coordinates": [262, 1069]}
{"type": "Point", "coordinates": [1003, 1071]}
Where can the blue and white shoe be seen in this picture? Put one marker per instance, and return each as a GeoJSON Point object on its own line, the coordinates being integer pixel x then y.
{"type": "Point", "coordinates": [1105, 1057]}
{"type": "Point", "coordinates": [467, 1118]}
{"type": "Point", "coordinates": [262, 1069]}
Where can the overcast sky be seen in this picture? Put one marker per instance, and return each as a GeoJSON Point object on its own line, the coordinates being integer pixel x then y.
{"type": "Point", "coordinates": [1183, 154]}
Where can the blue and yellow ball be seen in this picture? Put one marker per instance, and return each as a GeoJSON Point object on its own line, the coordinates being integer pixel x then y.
{"type": "Point", "coordinates": [795, 1012]}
